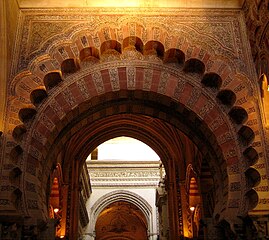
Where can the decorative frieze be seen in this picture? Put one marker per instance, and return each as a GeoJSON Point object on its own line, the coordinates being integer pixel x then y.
{"type": "Point", "coordinates": [125, 173]}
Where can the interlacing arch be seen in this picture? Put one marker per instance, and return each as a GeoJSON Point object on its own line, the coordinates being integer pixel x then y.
{"type": "Point", "coordinates": [88, 79]}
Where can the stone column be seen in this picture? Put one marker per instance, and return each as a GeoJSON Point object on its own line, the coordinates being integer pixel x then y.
{"type": "Point", "coordinates": [74, 201]}
{"type": "Point", "coordinates": [65, 217]}
{"type": "Point", "coordinates": [184, 208]}
{"type": "Point", "coordinates": [171, 187]}
{"type": "Point", "coordinates": [161, 203]}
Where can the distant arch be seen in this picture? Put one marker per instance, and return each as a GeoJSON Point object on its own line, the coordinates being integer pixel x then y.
{"type": "Point", "coordinates": [120, 195]}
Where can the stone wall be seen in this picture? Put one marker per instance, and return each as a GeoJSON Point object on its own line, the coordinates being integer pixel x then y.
{"type": "Point", "coordinates": [67, 63]}
{"type": "Point", "coordinates": [257, 21]}
{"type": "Point", "coordinates": [9, 14]}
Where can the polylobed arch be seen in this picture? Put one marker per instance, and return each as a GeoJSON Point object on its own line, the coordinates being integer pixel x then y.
{"type": "Point", "coordinates": [147, 81]}
{"type": "Point", "coordinates": [108, 136]}
{"type": "Point", "coordinates": [131, 99]}
{"type": "Point", "coordinates": [172, 105]}
{"type": "Point", "coordinates": [121, 195]}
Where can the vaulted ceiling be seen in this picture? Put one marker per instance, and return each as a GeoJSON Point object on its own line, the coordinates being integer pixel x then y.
{"type": "Point", "coordinates": [121, 220]}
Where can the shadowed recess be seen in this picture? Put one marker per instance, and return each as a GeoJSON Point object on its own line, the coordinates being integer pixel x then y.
{"type": "Point", "coordinates": [212, 80]}
{"type": "Point", "coordinates": [239, 115]}
{"type": "Point", "coordinates": [174, 55]}
{"type": "Point", "coordinates": [246, 135]}
{"type": "Point", "coordinates": [194, 65]}
{"type": "Point", "coordinates": [69, 66]}
{"type": "Point", "coordinates": [88, 53]}
{"type": "Point", "coordinates": [15, 172]}
{"type": "Point", "coordinates": [18, 132]}
{"type": "Point", "coordinates": [253, 177]}
{"type": "Point", "coordinates": [110, 45]}
{"type": "Point", "coordinates": [227, 97]}
{"type": "Point", "coordinates": [252, 199]}
{"type": "Point", "coordinates": [52, 79]}
{"type": "Point", "coordinates": [37, 96]}
{"type": "Point", "coordinates": [15, 153]}
{"type": "Point", "coordinates": [133, 41]}
{"type": "Point", "coordinates": [26, 114]}
{"type": "Point", "coordinates": [251, 154]}
{"type": "Point", "coordinates": [154, 48]}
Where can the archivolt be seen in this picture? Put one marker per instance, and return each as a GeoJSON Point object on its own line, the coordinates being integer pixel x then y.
{"type": "Point", "coordinates": [205, 95]}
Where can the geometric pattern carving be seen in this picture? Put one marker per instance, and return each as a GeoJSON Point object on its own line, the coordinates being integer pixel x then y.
{"type": "Point", "coordinates": [151, 77]}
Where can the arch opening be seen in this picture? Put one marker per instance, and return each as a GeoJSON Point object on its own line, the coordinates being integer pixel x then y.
{"type": "Point", "coordinates": [102, 84]}
{"type": "Point", "coordinates": [125, 112]}
{"type": "Point", "coordinates": [121, 220]}
{"type": "Point", "coordinates": [115, 165]}
{"type": "Point", "coordinates": [153, 131]}
{"type": "Point", "coordinates": [125, 149]}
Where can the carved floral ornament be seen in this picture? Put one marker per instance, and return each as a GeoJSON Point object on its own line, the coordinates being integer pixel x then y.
{"type": "Point", "coordinates": [75, 69]}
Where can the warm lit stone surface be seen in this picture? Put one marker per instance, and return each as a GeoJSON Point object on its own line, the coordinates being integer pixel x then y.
{"type": "Point", "coordinates": [132, 3]}
{"type": "Point", "coordinates": [77, 68]}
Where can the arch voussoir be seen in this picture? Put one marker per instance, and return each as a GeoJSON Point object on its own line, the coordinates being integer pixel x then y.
{"type": "Point", "coordinates": [175, 87]}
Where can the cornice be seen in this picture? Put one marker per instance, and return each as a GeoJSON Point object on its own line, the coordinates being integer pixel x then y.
{"type": "Point", "coordinates": [122, 164]}
{"type": "Point", "coordinates": [119, 185]}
